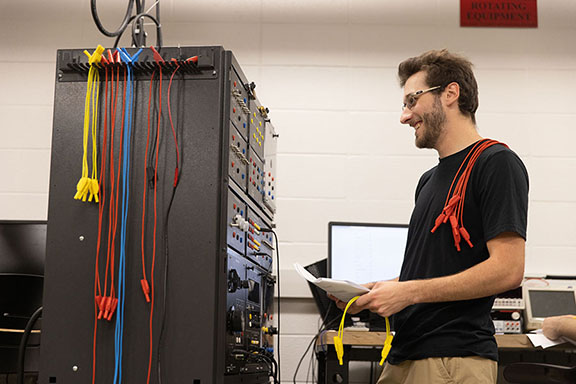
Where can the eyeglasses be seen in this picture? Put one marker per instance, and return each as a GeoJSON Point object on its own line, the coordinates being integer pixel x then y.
{"type": "Point", "coordinates": [412, 98]}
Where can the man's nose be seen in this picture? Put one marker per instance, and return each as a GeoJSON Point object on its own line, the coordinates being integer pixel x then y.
{"type": "Point", "coordinates": [405, 116]}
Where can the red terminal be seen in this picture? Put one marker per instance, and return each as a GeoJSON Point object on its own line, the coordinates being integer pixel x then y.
{"type": "Point", "coordinates": [100, 302]}
{"type": "Point", "coordinates": [108, 307]}
{"type": "Point", "coordinates": [193, 59]}
{"type": "Point", "coordinates": [145, 289]}
{"type": "Point", "coordinates": [466, 236]}
{"type": "Point", "coordinates": [455, 231]}
{"type": "Point", "coordinates": [157, 57]}
{"type": "Point", "coordinates": [438, 222]}
{"type": "Point", "coordinates": [110, 57]}
{"type": "Point", "coordinates": [113, 306]}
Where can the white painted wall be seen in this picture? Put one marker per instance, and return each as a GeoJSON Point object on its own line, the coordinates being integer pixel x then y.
{"type": "Point", "coordinates": [327, 71]}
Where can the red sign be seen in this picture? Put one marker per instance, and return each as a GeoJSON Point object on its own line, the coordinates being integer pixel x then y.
{"type": "Point", "coordinates": [499, 13]}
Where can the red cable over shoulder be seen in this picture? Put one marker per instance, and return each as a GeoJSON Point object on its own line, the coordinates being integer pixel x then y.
{"type": "Point", "coordinates": [453, 210]}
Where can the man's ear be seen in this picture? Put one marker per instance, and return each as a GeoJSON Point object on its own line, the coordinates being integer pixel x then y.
{"type": "Point", "coordinates": [452, 93]}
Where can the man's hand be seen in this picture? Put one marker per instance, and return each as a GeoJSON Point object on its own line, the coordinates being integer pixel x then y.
{"type": "Point", "coordinates": [385, 298]}
{"type": "Point", "coordinates": [354, 308]}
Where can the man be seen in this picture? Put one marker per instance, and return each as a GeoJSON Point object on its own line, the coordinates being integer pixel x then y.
{"type": "Point", "coordinates": [442, 299]}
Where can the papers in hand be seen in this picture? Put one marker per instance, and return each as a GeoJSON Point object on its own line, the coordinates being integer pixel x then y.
{"type": "Point", "coordinates": [342, 289]}
{"type": "Point", "coordinates": [539, 340]}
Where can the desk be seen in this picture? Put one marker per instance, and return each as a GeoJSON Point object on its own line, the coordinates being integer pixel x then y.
{"type": "Point", "coordinates": [367, 346]}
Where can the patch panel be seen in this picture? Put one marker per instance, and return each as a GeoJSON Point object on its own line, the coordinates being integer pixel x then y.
{"type": "Point", "coordinates": [269, 196]}
{"type": "Point", "coordinates": [257, 128]}
{"type": "Point", "coordinates": [255, 177]}
{"type": "Point", "coordinates": [239, 111]}
{"type": "Point", "coordinates": [237, 159]}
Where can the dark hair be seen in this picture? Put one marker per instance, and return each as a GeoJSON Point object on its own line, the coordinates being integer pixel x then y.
{"type": "Point", "coordinates": [443, 68]}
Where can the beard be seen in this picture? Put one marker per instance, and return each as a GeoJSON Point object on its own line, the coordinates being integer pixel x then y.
{"type": "Point", "coordinates": [433, 123]}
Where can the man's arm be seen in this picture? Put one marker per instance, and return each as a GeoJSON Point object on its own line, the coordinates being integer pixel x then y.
{"type": "Point", "coordinates": [502, 271]}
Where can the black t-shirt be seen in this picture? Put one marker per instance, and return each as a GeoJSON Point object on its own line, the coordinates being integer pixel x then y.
{"type": "Point", "coordinates": [496, 201]}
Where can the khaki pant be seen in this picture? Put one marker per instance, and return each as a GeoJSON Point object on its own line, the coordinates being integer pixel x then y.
{"type": "Point", "coordinates": [441, 370]}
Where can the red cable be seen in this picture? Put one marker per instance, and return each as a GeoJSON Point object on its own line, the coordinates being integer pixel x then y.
{"type": "Point", "coordinates": [102, 183]}
{"type": "Point", "coordinates": [97, 288]}
{"type": "Point", "coordinates": [144, 281]}
{"type": "Point", "coordinates": [172, 125]}
{"type": "Point", "coordinates": [112, 210]}
{"type": "Point", "coordinates": [115, 225]}
{"type": "Point", "coordinates": [155, 224]}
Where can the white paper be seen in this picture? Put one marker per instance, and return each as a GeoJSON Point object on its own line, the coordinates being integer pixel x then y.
{"type": "Point", "coordinates": [342, 289]}
{"type": "Point", "coordinates": [539, 340]}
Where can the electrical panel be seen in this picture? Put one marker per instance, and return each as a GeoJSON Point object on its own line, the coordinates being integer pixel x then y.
{"type": "Point", "coordinates": [508, 312]}
{"type": "Point", "coordinates": [162, 201]}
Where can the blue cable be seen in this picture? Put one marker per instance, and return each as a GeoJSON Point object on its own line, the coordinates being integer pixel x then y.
{"type": "Point", "coordinates": [119, 331]}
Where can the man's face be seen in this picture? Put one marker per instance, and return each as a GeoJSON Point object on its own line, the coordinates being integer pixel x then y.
{"type": "Point", "coordinates": [426, 115]}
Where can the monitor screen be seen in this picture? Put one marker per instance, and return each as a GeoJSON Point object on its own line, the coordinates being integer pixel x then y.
{"type": "Point", "coordinates": [22, 247]}
{"type": "Point", "coordinates": [365, 252]}
{"type": "Point", "coordinates": [546, 303]}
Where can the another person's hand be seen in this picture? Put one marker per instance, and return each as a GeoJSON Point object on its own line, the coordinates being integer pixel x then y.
{"type": "Point", "coordinates": [556, 326]}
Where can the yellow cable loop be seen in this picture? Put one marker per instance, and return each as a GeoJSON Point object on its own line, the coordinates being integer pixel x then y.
{"type": "Point", "coordinates": [94, 186]}
{"type": "Point", "coordinates": [87, 185]}
{"type": "Point", "coordinates": [338, 340]}
{"type": "Point", "coordinates": [338, 344]}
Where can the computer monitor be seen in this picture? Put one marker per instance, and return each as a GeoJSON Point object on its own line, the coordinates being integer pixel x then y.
{"type": "Point", "coordinates": [365, 252]}
{"type": "Point", "coordinates": [543, 302]}
{"type": "Point", "coordinates": [22, 255]}
{"type": "Point", "coordinates": [22, 247]}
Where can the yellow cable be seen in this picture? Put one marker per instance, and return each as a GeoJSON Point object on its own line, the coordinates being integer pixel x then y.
{"type": "Point", "coordinates": [89, 185]}
{"type": "Point", "coordinates": [84, 182]}
{"type": "Point", "coordinates": [338, 344]}
{"type": "Point", "coordinates": [94, 186]}
{"type": "Point", "coordinates": [338, 340]}
{"type": "Point", "coordinates": [387, 342]}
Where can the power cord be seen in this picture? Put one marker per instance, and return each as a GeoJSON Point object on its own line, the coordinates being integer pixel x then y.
{"type": "Point", "coordinates": [322, 328]}
{"type": "Point", "coordinates": [138, 33]}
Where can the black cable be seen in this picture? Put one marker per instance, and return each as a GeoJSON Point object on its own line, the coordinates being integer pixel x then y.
{"type": "Point", "coordinates": [135, 37]}
{"type": "Point", "coordinates": [167, 254]}
{"type": "Point", "coordinates": [304, 355]}
{"type": "Point", "coordinates": [165, 293]}
{"type": "Point", "coordinates": [322, 328]}
{"type": "Point", "coordinates": [23, 343]}
{"type": "Point", "coordinates": [278, 281]}
{"type": "Point", "coordinates": [123, 25]}
{"type": "Point", "coordinates": [135, 25]}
